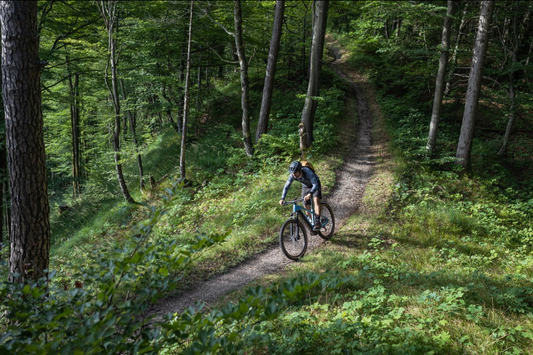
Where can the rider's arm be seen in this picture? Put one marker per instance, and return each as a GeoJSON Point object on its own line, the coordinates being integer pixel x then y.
{"type": "Point", "coordinates": [287, 186]}
{"type": "Point", "coordinates": [311, 176]}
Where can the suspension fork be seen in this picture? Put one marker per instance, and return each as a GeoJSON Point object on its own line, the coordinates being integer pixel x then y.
{"type": "Point", "coordinates": [296, 212]}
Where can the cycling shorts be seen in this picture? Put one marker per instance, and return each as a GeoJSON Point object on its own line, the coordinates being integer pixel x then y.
{"type": "Point", "coordinates": [306, 190]}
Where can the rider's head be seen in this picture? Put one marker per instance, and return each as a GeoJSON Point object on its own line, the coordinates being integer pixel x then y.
{"type": "Point", "coordinates": [295, 168]}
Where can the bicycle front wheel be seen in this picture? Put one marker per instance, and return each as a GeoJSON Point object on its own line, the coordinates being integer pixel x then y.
{"type": "Point", "coordinates": [293, 239]}
{"type": "Point", "coordinates": [327, 229]}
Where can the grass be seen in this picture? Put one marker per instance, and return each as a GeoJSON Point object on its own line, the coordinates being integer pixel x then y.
{"type": "Point", "coordinates": [431, 263]}
{"type": "Point", "coordinates": [228, 191]}
{"type": "Point", "coordinates": [427, 272]}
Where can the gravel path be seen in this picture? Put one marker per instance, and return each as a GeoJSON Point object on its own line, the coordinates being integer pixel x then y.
{"type": "Point", "coordinates": [345, 199]}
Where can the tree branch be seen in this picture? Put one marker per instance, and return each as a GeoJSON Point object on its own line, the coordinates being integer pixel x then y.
{"type": "Point", "coordinates": [205, 12]}
{"type": "Point", "coordinates": [222, 59]}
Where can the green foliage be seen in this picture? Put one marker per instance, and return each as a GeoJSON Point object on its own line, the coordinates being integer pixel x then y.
{"type": "Point", "coordinates": [245, 323]}
{"type": "Point", "coordinates": [100, 307]}
{"type": "Point", "coordinates": [454, 276]}
{"type": "Point", "coordinates": [282, 141]}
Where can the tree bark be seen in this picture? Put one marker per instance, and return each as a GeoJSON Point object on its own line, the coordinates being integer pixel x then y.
{"type": "Point", "coordinates": [109, 14]}
{"type": "Point", "coordinates": [75, 129]}
{"type": "Point", "coordinates": [21, 71]}
{"type": "Point", "coordinates": [133, 123]}
{"type": "Point", "coordinates": [440, 82]}
{"type": "Point", "coordinates": [464, 148]}
{"type": "Point", "coordinates": [245, 89]}
{"type": "Point", "coordinates": [262, 125]}
{"type": "Point", "coordinates": [186, 98]}
{"type": "Point", "coordinates": [6, 202]}
{"type": "Point", "coordinates": [3, 191]}
{"type": "Point", "coordinates": [317, 47]}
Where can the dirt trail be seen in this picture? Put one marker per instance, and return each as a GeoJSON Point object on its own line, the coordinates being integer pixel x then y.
{"type": "Point", "coordinates": [345, 199]}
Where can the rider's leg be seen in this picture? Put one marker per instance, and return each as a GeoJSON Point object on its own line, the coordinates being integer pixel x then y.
{"type": "Point", "coordinates": [307, 203]}
{"type": "Point", "coordinates": [318, 206]}
{"type": "Point", "coordinates": [317, 213]}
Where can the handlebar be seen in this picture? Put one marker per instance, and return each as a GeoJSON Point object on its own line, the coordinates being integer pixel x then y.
{"type": "Point", "coordinates": [292, 201]}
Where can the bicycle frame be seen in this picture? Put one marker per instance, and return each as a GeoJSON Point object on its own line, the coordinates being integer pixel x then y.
{"type": "Point", "coordinates": [298, 210]}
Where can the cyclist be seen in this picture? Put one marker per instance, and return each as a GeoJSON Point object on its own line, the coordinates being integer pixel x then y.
{"type": "Point", "coordinates": [310, 188]}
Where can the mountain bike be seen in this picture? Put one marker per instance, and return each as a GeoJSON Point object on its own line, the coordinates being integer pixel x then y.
{"type": "Point", "coordinates": [293, 236]}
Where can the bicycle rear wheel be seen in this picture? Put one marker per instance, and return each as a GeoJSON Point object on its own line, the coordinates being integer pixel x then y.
{"type": "Point", "coordinates": [327, 230]}
{"type": "Point", "coordinates": [293, 239]}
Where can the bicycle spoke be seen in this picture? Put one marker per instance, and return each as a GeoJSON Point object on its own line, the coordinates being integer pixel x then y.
{"type": "Point", "coordinates": [293, 240]}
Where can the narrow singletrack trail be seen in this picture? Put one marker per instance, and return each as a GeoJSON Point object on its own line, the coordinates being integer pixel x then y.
{"type": "Point", "coordinates": [345, 199]}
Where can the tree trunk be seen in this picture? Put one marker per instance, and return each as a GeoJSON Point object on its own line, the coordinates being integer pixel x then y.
{"type": "Point", "coordinates": [510, 122]}
{"type": "Point", "coordinates": [186, 98]}
{"type": "Point", "coordinates": [262, 125]}
{"type": "Point", "coordinates": [109, 14]}
{"type": "Point", "coordinates": [464, 148]}
{"type": "Point", "coordinates": [304, 32]}
{"type": "Point", "coordinates": [440, 82]}
{"type": "Point", "coordinates": [6, 201]}
{"type": "Point", "coordinates": [530, 50]}
{"type": "Point", "coordinates": [3, 193]}
{"type": "Point", "coordinates": [170, 119]}
{"type": "Point", "coordinates": [319, 31]}
{"type": "Point", "coordinates": [453, 61]}
{"type": "Point", "coordinates": [518, 36]}
{"type": "Point", "coordinates": [21, 71]}
{"type": "Point", "coordinates": [197, 104]}
{"type": "Point", "coordinates": [245, 89]}
{"type": "Point", "coordinates": [75, 129]}
{"type": "Point", "coordinates": [133, 124]}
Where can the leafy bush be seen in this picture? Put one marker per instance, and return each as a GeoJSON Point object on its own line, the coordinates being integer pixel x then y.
{"type": "Point", "coordinates": [101, 307]}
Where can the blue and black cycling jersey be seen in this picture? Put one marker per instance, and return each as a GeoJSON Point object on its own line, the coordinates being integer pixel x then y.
{"type": "Point", "coordinates": [308, 179]}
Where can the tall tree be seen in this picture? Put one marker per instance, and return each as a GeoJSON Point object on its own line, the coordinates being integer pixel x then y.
{"type": "Point", "coordinates": [440, 82]}
{"type": "Point", "coordinates": [460, 34]}
{"type": "Point", "coordinates": [511, 47]}
{"type": "Point", "coordinates": [133, 127]}
{"type": "Point", "coordinates": [108, 9]}
{"type": "Point", "coordinates": [30, 211]}
{"type": "Point", "coordinates": [245, 88]}
{"type": "Point", "coordinates": [320, 16]}
{"type": "Point", "coordinates": [186, 97]}
{"type": "Point", "coordinates": [268, 87]}
{"type": "Point", "coordinates": [74, 79]}
{"type": "Point", "coordinates": [464, 147]}
{"type": "Point", "coordinates": [70, 39]}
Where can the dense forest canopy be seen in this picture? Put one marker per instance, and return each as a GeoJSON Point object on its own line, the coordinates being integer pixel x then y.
{"type": "Point", "coordinates": [167, 127]}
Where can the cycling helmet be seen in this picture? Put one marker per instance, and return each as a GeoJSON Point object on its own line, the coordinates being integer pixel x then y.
{"type": "Point", "coordinates": [295, 167]}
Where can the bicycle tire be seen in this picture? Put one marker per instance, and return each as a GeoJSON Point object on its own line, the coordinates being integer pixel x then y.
{"type": "Point", "coordinates": [294, 247]}
{"type": "Point", "coordinates": [327, 231]}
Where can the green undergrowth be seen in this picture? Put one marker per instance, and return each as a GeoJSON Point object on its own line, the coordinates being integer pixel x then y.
{"type": "Point", "coordinates": [111, 261]}
{"type": "Point", "coordinates": [432, 263]}
{"type": "Point", "coordinates": [225, 191]}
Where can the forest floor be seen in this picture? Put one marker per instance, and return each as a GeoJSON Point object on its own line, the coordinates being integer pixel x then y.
{"type": "Point", "coordinates": [345, 198]}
